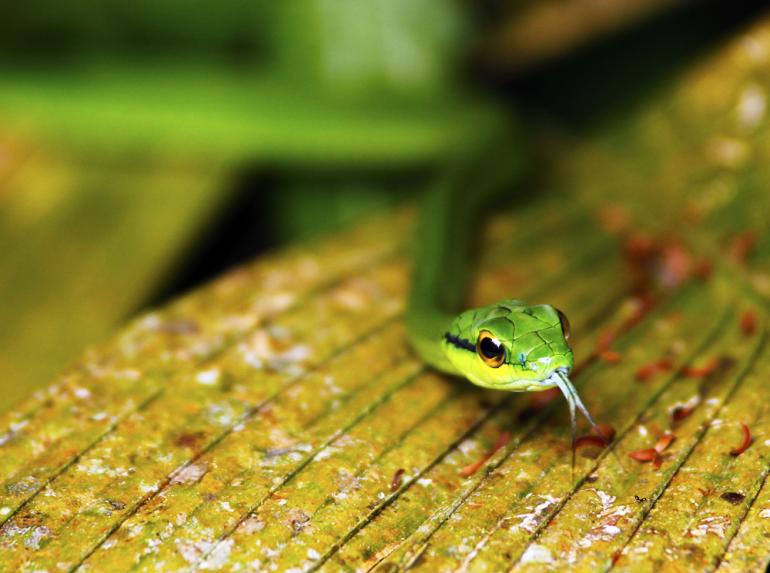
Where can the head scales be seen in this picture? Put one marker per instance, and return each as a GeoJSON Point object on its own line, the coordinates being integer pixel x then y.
{"type": "Point", "coordinates": [533, 338]}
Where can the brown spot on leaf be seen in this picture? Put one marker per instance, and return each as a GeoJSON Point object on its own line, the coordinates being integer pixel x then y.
{"type": "Point", "coordinates": [703, 370]}
{"type": "Point", "coordinates": [610, 356]}
{"type": "Point", "coordinates": [748, 323]}
{"type": "Point", "coordinates": [741, 245]}
{"type": "Point", "coordinates": [116, 504]}
{"type": "Point", "coordinates": [396, 481]}
{"type": "Point", "coordinates": [191, 440]}
{"type": "Point", "coordinates": [745, 443]}
{"type": "Point", "coordinates": [471, 469]}
{"type": "Point", "coordinates": [682, 411]}
{"type": "Point", "coordinates": [604, 431]}
{"type": "Point", "coordinates": [703, 269]}
{"type": "Point", "coordinates": [733, 497]}
{"type": "Point", "coordinates": [593, 441]}
{"type": "Point", "coordinates": [653, 368]}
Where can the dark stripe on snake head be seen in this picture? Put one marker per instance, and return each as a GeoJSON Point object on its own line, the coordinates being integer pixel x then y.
{"type": "Point", "coordinates": [459, 342]}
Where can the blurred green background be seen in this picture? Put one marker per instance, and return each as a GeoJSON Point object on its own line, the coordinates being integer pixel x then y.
{"type": "Point", "coordinates": [146, 147]}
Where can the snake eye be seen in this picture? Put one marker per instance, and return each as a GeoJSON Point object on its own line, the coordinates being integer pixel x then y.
{"type": "Point", "coordinates": [564, 324]}
{"type": "Point", "coordinates": [490, 349]}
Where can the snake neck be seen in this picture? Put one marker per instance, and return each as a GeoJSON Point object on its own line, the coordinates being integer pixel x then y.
{"type": "Point", "coordinates": [448, 225]}
{"type": "Point", "coordinates": [424, 330]}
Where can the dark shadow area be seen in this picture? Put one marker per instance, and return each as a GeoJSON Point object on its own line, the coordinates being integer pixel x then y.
{"type": "Point", "coordinates": [243, 229]}
{"type": "Point", "coordinates": [607, 79]}
{"type": "Point", "coordinates": [256, 218]}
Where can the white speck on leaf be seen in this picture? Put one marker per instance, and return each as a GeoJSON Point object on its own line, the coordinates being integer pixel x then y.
{"type": "Point", "coordinates": [716, 525]}
{"type": "Point", "coordinates": [251, 525]}
{"type": "Point", "coordinates": [751, 107]}
{"type": "Point", "coordinates": [190, 474]}
{"type": "Point", "coordinates": [728, 152]}
{"type": "Point", "coordinates": [82, 393]}
{"type": "Point", "coordinates": [38, 534]}
{"type": "Point", "coordinates": [529, 521]}
{"type": "Point", "coordinates": [219, 556]}
{"type": "Point", "coordinates": [606, 499]}
{"type": "Point", "coordinates": [537, 554]}
{"type": "Point", "coordinates": [208, 377]}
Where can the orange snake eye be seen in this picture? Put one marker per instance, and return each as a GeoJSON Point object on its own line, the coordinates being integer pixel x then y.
{"type": "Point", "coordinates": [490, 349]}
{"type": "Point", "coordinates": [564, 324]}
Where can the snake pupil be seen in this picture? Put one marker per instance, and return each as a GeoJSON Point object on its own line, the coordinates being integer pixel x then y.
{"type": "Point", "coordinates": [490, 349]}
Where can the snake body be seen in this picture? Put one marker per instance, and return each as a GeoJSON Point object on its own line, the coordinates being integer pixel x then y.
{"type": "Point", "coordinates": [509, 345]}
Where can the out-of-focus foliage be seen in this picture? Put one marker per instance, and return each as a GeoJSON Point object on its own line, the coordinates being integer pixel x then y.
{"type": "Point", "coordinates": [170, 100]}
{"type": "Point", "coordinates": [329, 81]}
{"type": "Point", "coordinates": [365, 47]}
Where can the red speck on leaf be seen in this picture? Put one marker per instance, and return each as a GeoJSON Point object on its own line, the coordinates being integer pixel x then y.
{"type": "Point", "coordinates": [745, 443]}
{"type": "Point", "coordinates": [702, 371]}
{"type": "Point", "coordinates": [604, 431]}
{"type": "Point", "coordinates": [639, 247]}
{"type": "Point", "coordinates": [679, 413]}
{"type": "Point", "coordinates": [748, 323]}
{"type": "Point", "coordinates": [610, 356]}
{"type": "Point", "coordinates": [646, 455]}
{"type": "Point", "coordinates": [664, 442]}
{"type": "Point", "coordinates": [594, 441]}
{"type": "Point", "coordinates": [605, 341]}
{"type": "Point", "coordinates": [471, 469]}
{"type": "Point", "coordinates": [504, 438]}
{"type": "Point", "coordinates": [652, 368]}
{"type": "Point", "coordinates": [603, 434]}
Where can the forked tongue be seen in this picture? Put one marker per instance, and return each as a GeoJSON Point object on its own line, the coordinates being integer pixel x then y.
{"type": "Point", "coordinates": [574, 401]}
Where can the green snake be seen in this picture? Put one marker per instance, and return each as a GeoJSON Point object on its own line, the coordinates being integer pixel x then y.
{"type": "Point", "coordinates": [509, 345]}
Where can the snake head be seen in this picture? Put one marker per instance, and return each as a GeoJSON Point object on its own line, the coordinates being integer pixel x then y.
{"type": "Point", "coordinates": [510, 346]}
